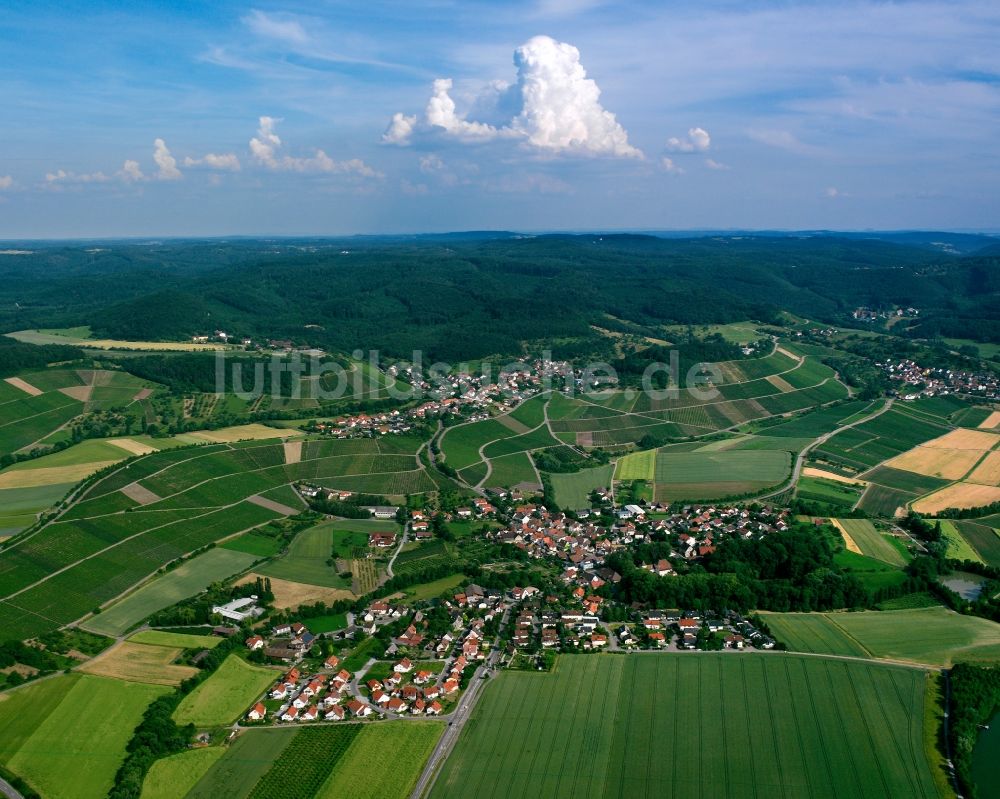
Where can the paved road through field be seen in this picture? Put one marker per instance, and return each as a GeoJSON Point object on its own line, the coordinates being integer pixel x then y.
{"type": "Point", "coordinates": [457, 720]}
{"type": "Point", "coordinates": [9, 790]}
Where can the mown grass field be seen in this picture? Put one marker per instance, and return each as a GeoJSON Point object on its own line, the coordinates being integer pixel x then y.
{"type": "Point", "coordinates": [933, 636]}
{"type": "Point", "coordinates": [709, 725]}
{"type": "Point", "coordinates": [873, 543]}
{"type": "Point", "coordinates": [307, 557]}
{"type": "Point", "coordinates": [223, 697]}
{"type": "Point", "coordinates": [172, 777]}
{"type": "Point", "coordinates": [186, 580]}
{"type": "Point", "coordinates": [572, 491]}
{"type": "Point", "coordinates": [66, 736]}
{"type": "Point", "coordinates": [958, 547]}
{"type": "Point", "coordinates": [411, 744]}
{"type": "Point", "coordinates": [135, 662]}
{"type": "Point", "coordinates": [711, 475]}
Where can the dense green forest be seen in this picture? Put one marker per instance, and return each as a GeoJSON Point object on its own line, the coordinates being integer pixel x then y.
{"type": "Point", "coordinates": [467, 296]}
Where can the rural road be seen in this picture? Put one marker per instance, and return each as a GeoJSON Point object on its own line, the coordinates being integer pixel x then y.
{"type": "Point", "coordinates": [9, 790]}
{"type": "Point", "coordinates": [402, 543]}
{"type": "Point", "coordinates": [801, 459]}
{"type": "Point", "coordinates": [457, 719]}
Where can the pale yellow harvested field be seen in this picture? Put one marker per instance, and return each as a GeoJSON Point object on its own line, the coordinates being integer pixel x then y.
{"type": "Point", "coordinates": [131, 446]}
{"type": "Point", "coordinates": [780, 383]}
{"type": "Point", "coordinates": [82, 393]}
{"type": "Point", "coordinates": [140, 494]}
{"type": "Point", "coordinates": [949, 464]}
{"type": "Point", "coordinates": [987, 472]}
{"type": "Point", "coordinates": [812, 471]}
{"type": "Point", "coordinates": [26, 387]}
{"type": "Point", "coordinates": [54, 475]}
{"type": "Point", "coordinates": [958, 495]}
{"type": "Point", "coordinates": [848, 541]}
{"type": "Point", "coordinates": [978, 440]}
{"type": "Point", "coordinates": [293, 451]}
{"type": "Point", "coordinates": [140, 663]}
{"type": "Point", "coordinates": [991, 422]}
{"type": "Point", "coordinates": [270, 504]}
{"type": "Point", "coordinates": [227, 435]}
{"type": "Point", "coordinates": [290, 595]}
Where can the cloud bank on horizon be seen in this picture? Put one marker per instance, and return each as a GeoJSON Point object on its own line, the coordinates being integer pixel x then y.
{"type": "Point", "coordinates": [438, 117]}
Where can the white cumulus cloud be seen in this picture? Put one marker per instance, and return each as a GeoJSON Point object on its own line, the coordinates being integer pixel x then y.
{"type": "Point", "coordinates": [225, 161]}
{"type": "Point", "coordinates": [711, 163]}
{"type": "Point", "coordinates": [165, 162]}
{"type": "Point", "coordinates": [130, 172]}
{"type": "Point", "coordinates": [697, 141]}
{"type": "Point", "coordinates": [552, 107]}
{"type": "Point", "coordinates": [6, 181]}
{"type": "Point", "coordinates": [400, 129]}
{"type": "Point", "coordinates": [265, 147]}
{"type": "Point", "coordinates": [670, 167]}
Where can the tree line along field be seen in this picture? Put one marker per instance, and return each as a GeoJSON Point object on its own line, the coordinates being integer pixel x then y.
{"type": "Point", "coordinates": [67, 735]}
{"type": "Point", "coordinates": [710, 725]}
{"type": "Point", "coordinates": [311, 763]}
{"type": "Point", "coordinates": [932, 636]}
{"type": "Point", "coordinates": [109, 541]}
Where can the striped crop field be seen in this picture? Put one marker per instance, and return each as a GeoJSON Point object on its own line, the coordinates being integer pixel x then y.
{"type": "Point", "coordinates": [710, 725]}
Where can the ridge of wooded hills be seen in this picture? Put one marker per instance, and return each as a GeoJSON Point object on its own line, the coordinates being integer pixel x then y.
{"type": "Point", "coordinates": [471, 295]}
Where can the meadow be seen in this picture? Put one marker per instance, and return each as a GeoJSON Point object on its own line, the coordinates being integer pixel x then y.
{"type": "Point", "coordinates": [172, 777]}
{"type": "Point", "coordinates": [573, 491]}
{"type": "Point", "coordinates": [932, 636]}
{"type": "Point", "coordinates": [958, 547]}
{"type": "Point", "coordinates": [832, 492]}
{"type": "Point", "coordinates": [225, 695]}
{"type": "Point", "coordinates": [707, 725]}
{"type": "Point", "coordinates": [66, 736]}
{"type": "Point", "coordinates": [983, 539]}
{"type": "Point", "coordinates": [308, 556]}
{"type": "Point", "coordinates": [137, 662]}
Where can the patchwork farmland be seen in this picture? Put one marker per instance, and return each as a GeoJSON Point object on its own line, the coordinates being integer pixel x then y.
{"type": "Point", "coordinates": [711, 725]}
{"type": "Point", "coordinates": [109, 541]}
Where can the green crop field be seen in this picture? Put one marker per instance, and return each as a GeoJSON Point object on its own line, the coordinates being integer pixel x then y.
{"type": "Point", "coordinates": [460, 445]}
{"type": "Point", "coordinates": [226, 694]}
{"type": "Point", "coordinates": [820, 489]}
{"type": "Point", "coordinates": [881, 501]}
{"type": "Point", "coordinates": [708, 725]}
{"type": "Point", "coordinates": [884, 437]}
{"type": "Point", "coordinates": [572, 491]}
{"type": "Point", "coordinates": [302, 768]}
{"type": "Point", "coordinates": [186, 580]}
{"type": "Point", "coordinates": [712, 475]}
{"type": "Point", "coordinates": [307, 556]}
{"type": "Point", "coordinates": [19, 507]}
{"type": "Point", "coordinates": [410, 742]}
{"type": "Point", "coordinates": [637, 466]}
{"type": "Point", "coordinates": [245, 761]}
{"type": "Point", "coordinates": [910, 482]}
{"type": "Point", "coordinates": [958, 547]}
{"type": "Point", "coordinates": [255, 543]}
{"type": "Point", "coordinates": [934, 636]}
{"type": "Point", "coordinates": [182, 640]}
{"type": "Point", "coordinates": [873, 543]}
{"type": "Point", "coordinates": [66, 736]}
{"type": "Point", "coordinates": [985, 540]}
{"type": "Point", "coordinates": [813, 632]}
{"type": "Point", "coordinates": [510, 470]}
{"type": "Point", "coordinates": [172, 777]}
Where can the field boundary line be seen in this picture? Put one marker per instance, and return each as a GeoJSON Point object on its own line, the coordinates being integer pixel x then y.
{"type": "Point", "coordinates": [843, 629]}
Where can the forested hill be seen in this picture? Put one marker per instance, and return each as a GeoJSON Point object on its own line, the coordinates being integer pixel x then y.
{"type": "Point", "coordinates": [471, 295]}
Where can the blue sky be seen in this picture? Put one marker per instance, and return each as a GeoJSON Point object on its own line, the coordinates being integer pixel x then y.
{"type": "Point", "coordinates": [158, 119]}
